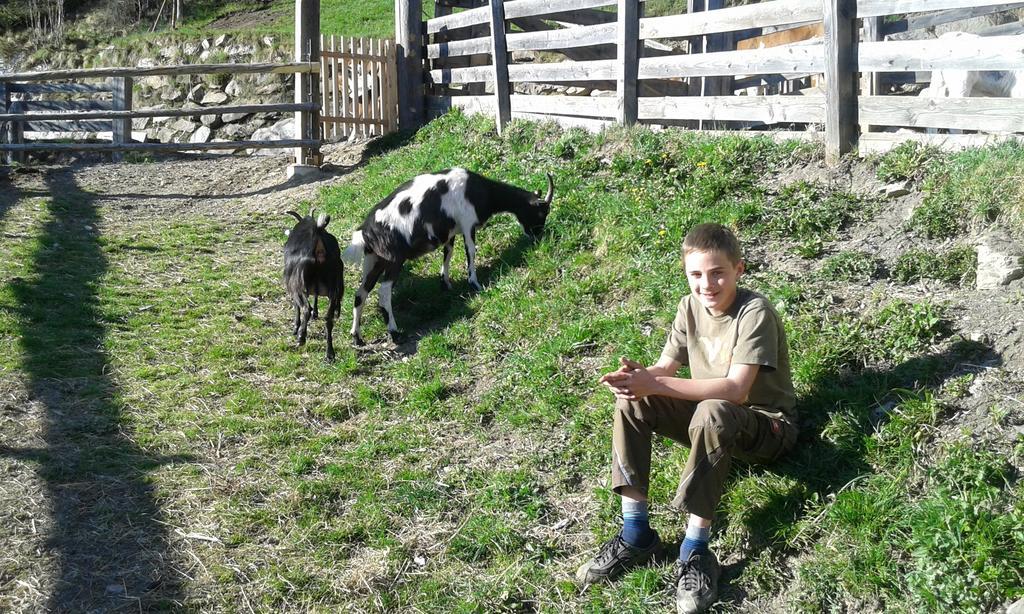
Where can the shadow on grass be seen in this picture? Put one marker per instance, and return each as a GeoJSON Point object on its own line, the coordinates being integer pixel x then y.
{"type": "Point", "coordinates": [107, 539]}
{"type": "Point", "coordinates": [422, 307]}
{"type": "Point", "coordinates": [824, 465]}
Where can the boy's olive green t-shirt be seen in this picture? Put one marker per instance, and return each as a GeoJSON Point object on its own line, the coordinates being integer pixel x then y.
{"type": "Point", "coordinates": [749, 333]}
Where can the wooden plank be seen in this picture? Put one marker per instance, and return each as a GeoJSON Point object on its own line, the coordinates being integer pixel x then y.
{"type": "Point", "coordinates": [368, 85]}
{"type": "Point", "coordinates": [355, 121]}
{"type": "Point", "coordinates": [793, 59]}
{"type": "Point", "coordinates": [366, 106]}
{"type": "Point", "coordinates": [183, 69]}
{"type": "Point", "coordinates": [408, 46]}
{"type": "Point", "coordinates": [343, 88]}
{"type": "Point", "coordinates": [375, 84]}
{"type": "Point", "coordinates": [841, 40]}
{"type": "Point", "coordinates": [352, 56]}
{"type": "Point", "coordinates": [988, 114]}
{"type": "Point", "coordinates": [385, 88]}
{"type": "Point", "coordinates": [628, 61]}
{"type": "Point", "coordinates": [562, 71]}
{"type": "Point", "coordinates": [499, 58]}
{"type": "Point", "coordinates": [881, 142]}
{"type": "Point", "coordinates": [584, 106]}
{"type": "Point", "coordinates": [1007, 29]}
{"type": "Point", "coordinates": [766, 109]}
{"type": "Point", "coordinates": [68, 126]}
{"type": "Point", "coordinates": [519, 8]}
{"type": "Point", "coordinates": [563, 38]}
{"type": "Point", "coordinates": [122, 128]}
{"type": "Point", "coordinates": [919, 22]}
{"type": "Point", "coordinates": [333, 84]}
{"type": "Point", "coordinates": [796, 59]}
{"type": "Point", "coordinates": [777, 12]}
{"type": "Point", "coordinates": [159, 147]}
{"type": "Point", "coordinates": [394, 91]}
{"type": "Point", "coordinates": [879, 8]}
{"type": "Point", "coordinates": [325, 69]}
{"type": "Point", "coordinates": [66, 105]}
{"type": "Point", "coordinates": [582, 17]}
{"type": "Point", "coordinates": [993, 53]}
{"type": "Point", "coordinates": [139, 113]}
{"type": "Point", "coordinates": [36, 89]}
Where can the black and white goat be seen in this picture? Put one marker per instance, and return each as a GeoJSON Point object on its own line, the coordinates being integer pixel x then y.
{"type": "Point", "coordinates": [428, 212]}
{"type": "Point", "coordinates": [312, 265]}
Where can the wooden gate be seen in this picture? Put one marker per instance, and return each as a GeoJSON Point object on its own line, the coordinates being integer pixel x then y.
{"type": "Point", "coordinates": [359, 94]}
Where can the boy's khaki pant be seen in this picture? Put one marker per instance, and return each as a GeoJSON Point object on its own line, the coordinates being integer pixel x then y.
{"type": "Point", "coordinates": [715, 431]}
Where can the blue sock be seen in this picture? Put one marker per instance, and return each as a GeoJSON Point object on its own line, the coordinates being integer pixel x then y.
{"type": "Point", "coordinates": [696, 542]}
{"type": "Point", "coordinates": [636, 527]}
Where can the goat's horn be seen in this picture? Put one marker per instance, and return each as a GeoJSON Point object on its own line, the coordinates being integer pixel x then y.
{"type": "Point", "coordinates": [551, 189]}
{"type": "Point", "coordinates": [295, 215]}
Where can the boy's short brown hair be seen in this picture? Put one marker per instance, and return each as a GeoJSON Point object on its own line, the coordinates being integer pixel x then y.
{"type": "Point", "coordinates": [712, 237]}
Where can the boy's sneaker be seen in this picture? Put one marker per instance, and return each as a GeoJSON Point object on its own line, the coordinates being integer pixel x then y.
{"type": "Point", "coordinates": [697, 583]}
{"type": "Point", "coordinates": [614, 558]}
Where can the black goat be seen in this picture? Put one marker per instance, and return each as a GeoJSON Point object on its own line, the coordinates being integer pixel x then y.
{"type": "Point", "coordinates": [312, 265]}
{"type": "Point", "coordinates": [428, 212]}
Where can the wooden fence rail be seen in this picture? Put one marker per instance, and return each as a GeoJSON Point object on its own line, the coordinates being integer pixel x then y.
{"type": "Point", "coordinates": [832, 60]}
{"type": "Point", "coordinates": [15, 115]}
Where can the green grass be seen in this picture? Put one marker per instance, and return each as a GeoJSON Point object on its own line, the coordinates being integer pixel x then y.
{"type": "Point", "coordinates": [971, 189]}
{"type": "Point", "coordinates": [471, 474]}
{"type": "Point", "coordinates": [955, 266]}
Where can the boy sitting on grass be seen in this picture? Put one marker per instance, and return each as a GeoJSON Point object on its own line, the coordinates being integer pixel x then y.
{"type": "Point", "coordinates": [739, 402]}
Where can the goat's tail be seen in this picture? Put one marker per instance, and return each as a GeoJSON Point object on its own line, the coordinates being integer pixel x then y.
{"type": "Point", "coordinates": [354, 252]}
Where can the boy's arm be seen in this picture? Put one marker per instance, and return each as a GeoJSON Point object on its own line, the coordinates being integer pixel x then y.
{"type": "Point", "coordinates": [633, 382]}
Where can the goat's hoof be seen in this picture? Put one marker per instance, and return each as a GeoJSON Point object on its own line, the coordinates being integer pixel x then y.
{"type": "Point", "coordinates": [475, 286]}
{"type": "Point", "coordinates": [358, 340]}
{"type": "Point", "coordinates": [330, 355]}
{"type": "Point", "coordinates": [301, 341]}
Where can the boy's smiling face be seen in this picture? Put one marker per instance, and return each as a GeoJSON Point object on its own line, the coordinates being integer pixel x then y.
{"type": "Point", "coordinates": [712, 278]}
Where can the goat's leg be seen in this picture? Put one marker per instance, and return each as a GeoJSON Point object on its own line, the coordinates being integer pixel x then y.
{"type": "Point", "coordinates": [386, 286]}
{"type": "Point", "coordinates": [307, 311]}
{"type": "Point", "coordinates": [372, 269]}
{"type": "Point", "coordinates": [469, 238]}
{"type": "Point", "coordinates": [298, 318]}
{"type": "Point", "coordinates": [333, 309]}
{"type": "Point", "coordinates": [316, 308]}
{"type": "Point", "coordinates": [446, 280]}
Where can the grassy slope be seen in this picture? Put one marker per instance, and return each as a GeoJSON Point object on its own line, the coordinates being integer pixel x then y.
{"type": "Point", "coordinates": [471, 474]}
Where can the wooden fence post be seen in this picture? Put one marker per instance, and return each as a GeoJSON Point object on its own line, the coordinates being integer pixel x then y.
{"type": "Point", "coordinates": [5, 127]}
{"type": "Point", "coordinates": [122, 128]}
{"type": "Point", "coordinates": [840, 78]}
{"type": "Point", "coordinates": [628, 43]}
{"type": "Point", "coordinates": [499, 57]}
{"type": "Point", "coordinates": [409, 61]}
{"type": "Point", "coordinates": [307, 85]}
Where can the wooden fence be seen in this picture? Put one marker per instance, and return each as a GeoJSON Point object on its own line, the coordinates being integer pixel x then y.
{"type": "Point", "coordinates": [632, 78]}
{"type": "Point", "coordinates": [16, 115]}
{"type": "Point", "coordinates": [358, 90]}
